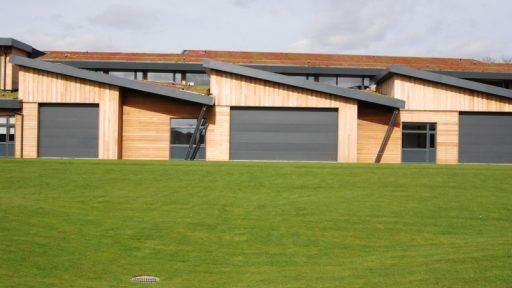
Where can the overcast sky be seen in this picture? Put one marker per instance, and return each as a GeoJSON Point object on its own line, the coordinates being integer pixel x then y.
{"type": "Point", "coordinates": [444, 28]}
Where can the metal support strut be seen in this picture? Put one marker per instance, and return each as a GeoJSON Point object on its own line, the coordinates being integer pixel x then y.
{"type": "Point", "coordinates": [387, 136]}
{"type": "Point", "coordinates": [195, 140]}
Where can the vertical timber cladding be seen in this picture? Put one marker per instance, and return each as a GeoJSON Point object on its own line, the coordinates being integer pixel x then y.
{"type": "Point", "coordinates": [373, 122]}
{"type": "Point", "coordinates": [284, 134]}
{"type": "Point", "coordinates": [232, 90]}
{"type": "Point", "coordinates": [39, 88]}
{"type": "Point", "coordinates": [68, 130]}
{"type": "Point", "coordinates": [147, 126]}
{"type": "Point", "coordinates": [485, 137]}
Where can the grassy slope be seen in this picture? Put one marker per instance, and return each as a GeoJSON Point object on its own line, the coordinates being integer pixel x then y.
{"type": "Point", "coordinates": [97, 223]}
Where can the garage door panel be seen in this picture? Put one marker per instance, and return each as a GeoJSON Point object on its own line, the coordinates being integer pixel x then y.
{"type": "Point", "coordinates": [68, 130]}
{"type": "Point", "coordinates": [289, 137]}
{"type": "Point", "coordinates": [485, 138]}
{"type": "Point", "coordinates": [279, 127]}
{"type": "Point", "coordinates": [284, 134]}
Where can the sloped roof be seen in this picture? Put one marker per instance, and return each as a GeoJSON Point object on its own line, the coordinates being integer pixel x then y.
{"type": "Point", "coordinates": [11, 42]}
{"type": "Point", "coordinates": [304, 84]}
{"type": "Point", "coordinates": [290, 59]}
{"type": "Point", "coordinates": [112, 80]}
{"type": "Point", "coordinates": [444, 79]}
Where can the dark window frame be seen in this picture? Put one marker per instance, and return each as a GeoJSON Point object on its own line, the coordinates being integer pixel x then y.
{"type": "Point", "coordinates": [10, 123]}
{"type": "Point", "coordinates": [206, 76]}
{"type": "Point", "coordinates": [186, 144]}
{"type": "Point", "coordinates": [430, 131]}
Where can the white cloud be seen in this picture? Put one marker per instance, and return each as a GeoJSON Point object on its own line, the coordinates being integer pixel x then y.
{"type": "Point", "coordinates": [126, 17]}
{"type": "Point", "coordinates": [351, 26]}
{"type": "Point", "coordinates": [450, 28]}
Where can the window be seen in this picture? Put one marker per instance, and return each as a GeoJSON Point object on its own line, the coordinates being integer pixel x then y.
{"type": "Point", "coordinates": [181, 133]}
{"type": "Point", "coordinates": [165, 77]}
{"type": "Point", "coordinates": [161, 77]}
{"type": "Point", "coordinates": [302, 77]}
{"type": "Point", "coordinates": [355, 82]}
{"type": "Point", "coordinates": [7, 136]}
{"type": "Point", "coordinates": [350, 82]}
{"type": "Point", "coordinates": [199, 79]}
{"type": "Point", "coordinates": [419, 142]}
{"type": "Point", "coordinates": [329, 80]}
{"type": "Point", "coordinates": [124, 74]}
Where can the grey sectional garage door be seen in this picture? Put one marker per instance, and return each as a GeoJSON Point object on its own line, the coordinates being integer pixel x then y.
{"type": "Point", "coordinates": [68, 130]}
{"type": "Point", "coordinates": [284, 134]}
{"type": "Point", "coordinates": [485, 138]}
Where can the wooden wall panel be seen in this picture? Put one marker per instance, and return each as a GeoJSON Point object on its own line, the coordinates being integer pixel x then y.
{"type": "Point", "coordinates": [2, 61]}
{"type": "Point", "coordinates": [235, 90]}
{"type": "Point", "coordinates": [13, 70]}
{"type": "Point", "coordinates": [347, 133]}
{"type": "Point", "coordinates": [425, 95]}
{"type": "Point", "coordinates": [372, 125]}
{"type": "Point", "coordinates": [387, 87]}
{"type": "Point", "coordinates": [146, 124]}
{"type": "Point", "coordinates": [447, 134]}
{"type": "Point", "coordinates": [109, 122]}
{"type": "Point", "coordinates": [17, 137]}
{"type": "Point", "coordinates": [217, 134]}
{"type": "Point", "coordinates": [30, 131]}
{"type": "Point", "coordinates": [44, 87]}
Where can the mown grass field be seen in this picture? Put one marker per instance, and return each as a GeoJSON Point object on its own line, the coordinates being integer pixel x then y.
{"type": "Point", "coordinates": [87, 223]}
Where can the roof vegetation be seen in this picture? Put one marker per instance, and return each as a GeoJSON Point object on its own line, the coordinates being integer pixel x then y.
{"type": "Point", "coordinates": [9, 95]}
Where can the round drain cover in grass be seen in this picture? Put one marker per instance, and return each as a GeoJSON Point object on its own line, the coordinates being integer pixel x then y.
{"type": "Point", "coordinates": [145, 279]}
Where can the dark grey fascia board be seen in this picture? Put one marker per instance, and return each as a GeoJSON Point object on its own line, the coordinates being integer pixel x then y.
{"type": "Point", "coordinates": [444, 79]}
{"type": "Point", "coordinates": [111, 80]}
{"type": "Point", "coordinates": [9, 104]}
{"type": "Point", "coordinates": [476, 75]}
{"type": "Point", "coordinates": [198, 67]}
{"type": "Point", "coordinates": [348, 71]}
{"type": "Point", "coordinates": [285, 69]}
{"type": "Point", "coordinates": [305, 84]}
{"type": "Point", "coordinates": [11, 42]}
{"type": "Point", "coordinates": [126, 65]}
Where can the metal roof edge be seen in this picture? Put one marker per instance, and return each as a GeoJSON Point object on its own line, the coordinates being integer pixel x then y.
{"type": "Point", "coordinates": [16, 44]}
{"type": "Point", "coordinates": [305, 84]}
{"type": "Point", "coordinates": [111, 80]}
{"type": "Point", "coordinates": [443, 79]}
{"type": "Point", "coordinates": [10, 104]}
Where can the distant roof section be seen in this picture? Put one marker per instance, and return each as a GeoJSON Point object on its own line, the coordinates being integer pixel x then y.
{"type": "Point", "coordinates": [290, 59]}
{"type": "Point", "coordinates": [304, 84]}
{"type": "Point", "coordinates": [444, 79]}
{"type": "Point", "coordinates": [9, 104]}
{"type": "Point", "coordinates": [11, 42]}
{"type": "Point", "coordinates": [112, 80]}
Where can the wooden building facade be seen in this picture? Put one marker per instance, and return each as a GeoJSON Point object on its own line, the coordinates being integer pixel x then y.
{"type": "Point", "coordinates": [415, 116]}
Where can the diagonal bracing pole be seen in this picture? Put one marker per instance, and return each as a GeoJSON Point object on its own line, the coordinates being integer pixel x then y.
{"type": "Point", "coordinates": [387, 136]}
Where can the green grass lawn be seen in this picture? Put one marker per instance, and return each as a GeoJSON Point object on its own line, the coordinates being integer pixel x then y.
{"type": "Point", "coordinates": [80, 223]}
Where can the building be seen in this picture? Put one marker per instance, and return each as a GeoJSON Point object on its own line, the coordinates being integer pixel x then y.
{"type": "Point", "coordinates": [254, 106]}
